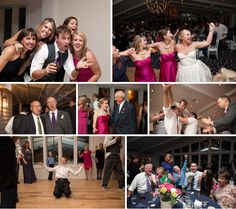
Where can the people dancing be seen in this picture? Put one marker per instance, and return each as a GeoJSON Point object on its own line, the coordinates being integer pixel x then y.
{"type": "Point", "coordinates": [166, 46]}
{"type": "Point", "coordinates": [101, 118]}
{"type": "Point", "coordinates": [142, 60]}
{"type": "Point", "coordinates": [189, 68]}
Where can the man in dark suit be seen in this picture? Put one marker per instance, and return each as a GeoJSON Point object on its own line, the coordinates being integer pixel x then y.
{"type": "Point", "coordinates": [57, 121]}
{"type": "Point", "coordinates": [123, 117]}
{"type": "Point", "coordinates": [227, 122]}
{"type": "Point", "coordinates": [72, 113]}
{"type": "Point", "coordinates": [33, 123]}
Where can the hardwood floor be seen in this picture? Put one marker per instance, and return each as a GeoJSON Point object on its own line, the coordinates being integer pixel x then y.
{"type": "Point", "coordinates": [85, 194]}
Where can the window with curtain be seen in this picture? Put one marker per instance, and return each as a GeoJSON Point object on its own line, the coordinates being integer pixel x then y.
{"type": "Point", "coordinates": [68, 148]}
{"type": "Point", "coordinates": [52, 144]}
{"type": "Point", "coordinates": [37, 149]}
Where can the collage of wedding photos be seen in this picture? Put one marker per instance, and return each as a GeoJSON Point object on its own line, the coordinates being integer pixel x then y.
{"type": "Point", "coordinates": [118, 104]}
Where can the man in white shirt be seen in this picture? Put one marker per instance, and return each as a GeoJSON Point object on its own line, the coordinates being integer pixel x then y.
{"type": "Point", "coordinates": [62, 175]}
{"type": "Point", "coordinates": [33, 123]}
{"type": "Point", "coordinates": [221, 30]}
{"type": "Point", "coordinates": [192, 123]}
{"type": "Point", "coordinates": [52, 60]}
{"type": "Point", "coordinates": [142, 181]}
{"type": "Point", "coordinates": [172, 110]}
{"type": "Point", "coordinates": [95, 102]}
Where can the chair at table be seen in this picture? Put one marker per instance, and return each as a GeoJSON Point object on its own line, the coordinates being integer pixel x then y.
{"type": "Point", "coordinates": [213, 49]}
{"type": "Point", "coordinates": [233, 44]}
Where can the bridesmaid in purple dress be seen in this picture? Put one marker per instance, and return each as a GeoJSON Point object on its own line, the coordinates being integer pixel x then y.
{"type": "Point", "coordinates": [80, 52]}
{"type": "Point", "coordinates": [166, 47]}
{"type": "Point", "coordinates": [101, 118]}
{"type": "Point", "coordinates": [82, 115]}
{"type": "Point", "coordinates": [142, 60]}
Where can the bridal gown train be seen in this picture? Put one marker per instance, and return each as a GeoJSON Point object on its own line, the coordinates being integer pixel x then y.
{"type": "Point", "coordinates": [192, 70]}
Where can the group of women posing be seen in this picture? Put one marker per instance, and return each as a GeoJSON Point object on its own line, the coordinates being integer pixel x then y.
{"type": "Point", "coordinates": [19, 51]}
{"type": "Point", "coordinates": [189, 68]}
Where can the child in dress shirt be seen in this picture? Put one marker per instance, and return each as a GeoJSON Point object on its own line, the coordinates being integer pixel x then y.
{"type": "Point", "coordinates": [50, 163]}
{"type": "Point", "coordinates": [62, 175]}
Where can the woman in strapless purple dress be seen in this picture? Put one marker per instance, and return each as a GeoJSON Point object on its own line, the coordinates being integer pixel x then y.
{"type": "Point", "coordinates": [166, 47]}
{"type": "Point", "coordinates": [142, 60]}
{"type": "Point", "coordinates": [80, 51]}
{"type": "Point", "coordinates": [101, 118]}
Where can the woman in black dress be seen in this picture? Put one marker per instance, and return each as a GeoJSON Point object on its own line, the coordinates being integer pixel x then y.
{"type": "Point", "coordinates": [28, 169]}
{"type": "Point", "coordinates": [100, 156]}
{"type": "Point", "coordinates": [11, 60]}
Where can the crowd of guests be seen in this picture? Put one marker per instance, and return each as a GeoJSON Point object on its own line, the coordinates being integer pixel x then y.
{"type": "Point", "coordinates": [49, 53]}
{"type": "Point", "coordinates": [52, 121]}
{"type": "Point", "coordinates": [144, 178]}
{"type": "Point", "coordinates": [94, 117]}
{"type": "Point", "coordinates": [178, 53]}
{"type": "Point", "coordinates": [176, 119]}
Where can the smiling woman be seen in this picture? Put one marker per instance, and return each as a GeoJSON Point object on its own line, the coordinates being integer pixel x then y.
{"type": "Point", "coordinates": [11, 60]}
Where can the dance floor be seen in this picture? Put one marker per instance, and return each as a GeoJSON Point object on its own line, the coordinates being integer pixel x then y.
{"type": "Point", "coordinates": [85, 194]}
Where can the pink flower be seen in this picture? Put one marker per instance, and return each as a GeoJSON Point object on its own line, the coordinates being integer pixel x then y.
{"type": "Point", "coordinates": [214, 187]}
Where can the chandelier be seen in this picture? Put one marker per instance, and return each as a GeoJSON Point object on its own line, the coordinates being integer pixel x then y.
{"type": "Point", "coordinates": [161, 7]}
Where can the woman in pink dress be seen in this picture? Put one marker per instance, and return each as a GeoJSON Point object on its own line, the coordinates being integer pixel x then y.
{"type": "Point", "coordinates": [142, 60]}
{"type": "Point", "coordinates": [86, 155]}
{"type": "Point", "coordinates": [166, 47]}
{"type": "Point", "coordinates": [82, 115]}
{"type": "Point", "coordinates": [101, 118]}
{"type": "Point", "coordinates": [80, 52]}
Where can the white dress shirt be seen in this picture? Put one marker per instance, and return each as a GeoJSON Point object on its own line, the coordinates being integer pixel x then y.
{"type": "Point", "coordinates": [108, 141]}
{"type": "Point", "coordinates": [121, 105]}
{"type": "Point", "coordinates": [63, 171]}
{"type": "Point", "coordinates": [35, 117]}
{"type": "Point", "coordinates": [171, 121]}
{"type": "Point", "coordinates": [221, 31]}
{"type": "Point", "coordinates": [42, 54]}
{"type": "Point", "coordinates": [140, 183]}
{"type": "Point", "coordinates": [9, 126]}
{"type": "Point", "coordinates": [192, 126]}
{"type": "Point", "coordinates": [55, 113]}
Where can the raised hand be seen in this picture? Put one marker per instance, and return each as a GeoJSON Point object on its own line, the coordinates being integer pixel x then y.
{"type": "Point", "coordinates": [83, 63]}
{"type": "Point", "coordinates": [207, 121]}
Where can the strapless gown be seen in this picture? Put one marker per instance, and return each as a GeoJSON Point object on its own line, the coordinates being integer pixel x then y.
{"type": "Point", "coordinates": [102, 124]}
{"type": "Point", "coordinates": [168, 68]}
{"type": "Point", "coordinates": [82, 121]}
{"type": "Point", "coordinates": [192, 70]}
{"type": "Point", "coordinates": [144, 71]}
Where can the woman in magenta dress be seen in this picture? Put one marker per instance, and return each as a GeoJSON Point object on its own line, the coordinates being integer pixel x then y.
{"type": "Point", "coordinates": [101, 118]}
{"type": "Point", "coordinates": [80, 52]}
{"type": "Point", "coordinates": [142, 60]}
{"type": "Point", "coordinates": [166, 46]}
{"type": "Point", "coordinates": [86, 155]}
{"type": "Point", "coordinates": [82, 115]}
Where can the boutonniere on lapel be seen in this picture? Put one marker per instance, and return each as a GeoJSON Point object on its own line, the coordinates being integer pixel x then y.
{"type": "Point", "coordinates": [62, 117]}
{"type": "Point", "coordinates": [122, 110]}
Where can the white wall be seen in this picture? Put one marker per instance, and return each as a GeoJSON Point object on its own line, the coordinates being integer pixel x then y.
{"type": "Point", "coordinates": [94, 20]}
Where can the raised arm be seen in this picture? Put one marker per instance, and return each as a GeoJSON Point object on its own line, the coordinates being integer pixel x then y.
{"type": "Point", "coordinates": [206, 43]}
{"type": "Point", "coordinates": [165, 96]}
{"type": "Point", "coordinates": [7, 55]}
{"type": "Point", "coordinates": [11, 40]}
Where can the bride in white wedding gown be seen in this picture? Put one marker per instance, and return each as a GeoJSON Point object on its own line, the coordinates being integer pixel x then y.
{"type": "Point", "coordinates": [189, 68]}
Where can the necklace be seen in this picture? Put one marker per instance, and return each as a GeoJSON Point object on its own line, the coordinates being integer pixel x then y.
{"type": "Point", "coordinates": [166, 46]}
{"type": "Point", "coordinates": [142, 53]}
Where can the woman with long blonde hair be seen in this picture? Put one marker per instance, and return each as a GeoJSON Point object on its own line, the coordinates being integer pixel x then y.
{"type": "Point", "coordinates": [189, 68]}
{"type": "Point", "coordinates": [101, 118]}
{"type": "Point", "coordinates": [80, 51]}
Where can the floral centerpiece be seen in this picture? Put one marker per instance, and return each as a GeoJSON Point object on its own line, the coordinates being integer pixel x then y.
{"type": "Point", "coordinates": [168, 194]}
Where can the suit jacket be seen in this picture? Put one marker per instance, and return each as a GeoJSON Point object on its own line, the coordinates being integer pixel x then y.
{"type": "Point", "coordinates": [72, 113]}
{"type": "Point", "coordinates": [63, 123]}
{"type": "Point", "coordinates": [119, 74]}
{"type": "Point", "coordinates": [124, 122]}
{"type": "Point", "coordinates": [228, 121]}
{"type": "Point", "coordinates": [28, 125]}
